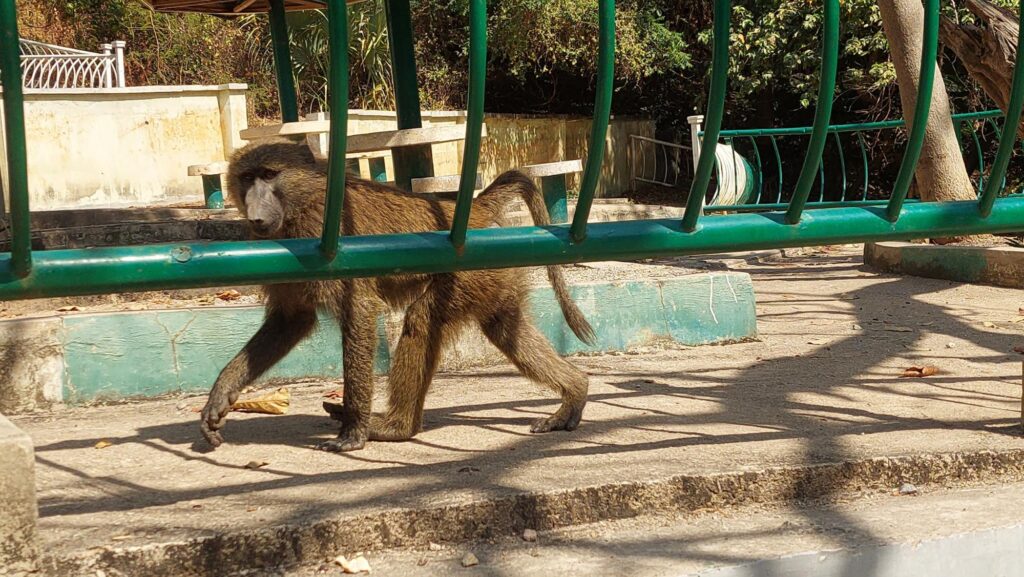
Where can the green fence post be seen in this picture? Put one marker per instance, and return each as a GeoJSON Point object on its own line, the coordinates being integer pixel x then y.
{"type": "Point", "coordinates": [602, 113]}
{"type": "Point", "coordinates": [922, 110]}
{"type": "Point", "coordinates": [17, 157]}
{"type": "Point", "coordinates": [411, 161]}
{"type": "Point", "coordinates": [474, 119]}
{"type": "Point", "coordinates": [713, 118]}
{"type": "Point", "coordinates": [1010, 127]}
{"type": "Point", "coordinates": [283, 62]}
{"type": "Point", "coordinates": [822, 113]}
{"type": "Point", "coordinates": [212, 191]}
{"type": "Point", "coordinates": [337, 39]}
{"type": "Point", "coordinates": [378, 169]}
{"type": "Point", "coordinates": [555, 197]}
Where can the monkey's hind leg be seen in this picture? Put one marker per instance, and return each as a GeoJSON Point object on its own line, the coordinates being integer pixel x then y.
{"type": "Point", "coordinates": [413, 365]}
{"type": "Point", "coordinates": [511, 330]}
{"type": "Point", "coordinates": [278, 335]}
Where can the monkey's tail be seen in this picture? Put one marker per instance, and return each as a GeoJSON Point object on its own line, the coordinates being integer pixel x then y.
{"type": "Point", "coordinates": [501, 192]}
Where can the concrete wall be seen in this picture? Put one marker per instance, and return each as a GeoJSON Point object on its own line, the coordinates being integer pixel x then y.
{"type": "Point", "coordinates": [111, 147]}
{"type": "Point", "coordinates": [516, 140]}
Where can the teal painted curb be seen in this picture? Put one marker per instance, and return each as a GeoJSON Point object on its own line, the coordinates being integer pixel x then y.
{"type": "Point", "coordinates": [110, 356]}
{"type": "Point", "coordinates": [999, 266]}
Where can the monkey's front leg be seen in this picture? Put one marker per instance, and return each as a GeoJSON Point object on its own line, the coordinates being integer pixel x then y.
{"type": "Point", "coordinates": [279, 334]}
{"type": "Point", "coordinates": [359, 345]}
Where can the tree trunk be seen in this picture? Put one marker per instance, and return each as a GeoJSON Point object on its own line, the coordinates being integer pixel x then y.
{"type": "Point", "coordinates": [941, 174]}
{"type": "Point", "coordinates": [988, 52]}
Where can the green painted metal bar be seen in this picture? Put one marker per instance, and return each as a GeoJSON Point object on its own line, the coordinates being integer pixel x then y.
{"type": "Point", "coordinates": [555, 197]}
{"type": "Point", "coordinates": [283, 62]}
{"type": "Point", "coordinates": [735, 166]}
{"type": "Point", "coordinates": [999, 137]}
{"type": "Point", "coordinates": [777, 206]}
{"type": "Point", "coordinates": [212, 193]}
{"type": "Point", "coordinates": [17, 157]}
{"type": "Point", "coordinates": [602, 113]}
{"type": "Point", "coordinates": [713, 116]}
{"type": "Point", "coordinates": [981, 159]}
{"type": "Point", "coordinates": [758, 177]}
{"type": "Point", "coordinates": [821, 178]}
{"type": "Point", "coordinates": [337, 44]}
{"type": "Point", "coordinates": [474, 119]}
{"type": "Point", "coordinates": [855, 127]}
{"type": "Point", "coordinates": [411, 161]}
{"type": "Point", "coordinates": [778, 168]}
{"type": "Point", "coordinates": [822, 112]}
{"type": "Point", "coordinates": [842, 164]}
{"type": "Point", "coordinates": [922, 109]}
{"type": "Point", "coordinates": [864, 158]}
{"type": "Point", "coordinates": [1009, 136]}
{"type": "Point", "coordinates": [169, 266]}
{"type": "Point", "coordinates": [959, 129]}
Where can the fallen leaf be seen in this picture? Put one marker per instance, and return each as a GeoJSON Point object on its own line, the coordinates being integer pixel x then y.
{"type": "Point", "coordinates": [121, 537]}
{"type": "Point", "coordinates": [229, 295]}
{"type": "Point", "coordinates": [897, 329]}
{"type": "Point", "coordinates": [275, 403]}
{"type": "Point", "coordinates": [356, 565]}
{"type": "Point", "coordinates": [470, 560]}
{"type": "Point", "coordinates": [1020, 311]}
{"type": "Point", "coordinates": [925, 371]}
{"type": "Point", "coordinates": [988, 324]}
{"type": "Point", "coordinates": [335, 394]}
{"type": "Point", "coordinates": [67, 309]}
{"type": "Point", "coordinates": [103, 444]}
{"type": "Point", "coordinates": [817, 341]}
{"type": "Point", "coordinates": [256, 464]}
{"type": "Point", "coordinates": [1019, 349]}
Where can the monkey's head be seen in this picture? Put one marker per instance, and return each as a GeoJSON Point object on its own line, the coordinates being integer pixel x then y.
{"type": "Point", "coordinates": [256, 180]}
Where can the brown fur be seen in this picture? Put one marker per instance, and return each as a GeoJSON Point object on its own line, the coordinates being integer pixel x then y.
{"type": "Point", "coordinates": [437, 306]}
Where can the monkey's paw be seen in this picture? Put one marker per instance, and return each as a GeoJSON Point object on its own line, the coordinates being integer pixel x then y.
{"type": "Point", "coordinates": [213, 417]}
{"type": "Point", "coordinates": [565, 419]}
{"type": "Point", "coordinates": [346, 441]}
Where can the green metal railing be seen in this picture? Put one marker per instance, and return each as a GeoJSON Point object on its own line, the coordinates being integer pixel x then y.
{"type": "Point", "coordinates": [24, 274]}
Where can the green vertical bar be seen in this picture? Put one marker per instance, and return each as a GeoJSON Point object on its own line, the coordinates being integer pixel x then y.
{"type": "Point", "coordinates": [981, 159]}
{"type": "Point", "coordinates": [758, 176]}
{"type": "Point", "coordinates": [554, 190]}
{"type": "Point", "coordinates": [922, 110]}
{"type": "Point", "coordinates": [337, 99]}
{"type": "Point", "coordinates": [212, 191]}
{"type": "Point", "coordinates": [602, 112]}
{"type": "Point", "coordinates": [17, 157]}
{"type": "Point", "coordinates": [474, 119]}
{"type": "Point", "coordinates": [842, 164]}
{"type": "Point", "coordinates": [713, 117]}
{"type": "Point", "coordinates": [283, 62]}
{"type": "Point", "coordinates": [412, 161]}
{"type": "Point", "coordinates": [1009, 136]}
{"type": "Point", "coordinates": [778, 168]}
{"type": "Point", "coordinates": [864, 160]}
{"type": "Point", "coordinates": [378, 169]}
{"type": "Point", "coordinates": [822, 112]}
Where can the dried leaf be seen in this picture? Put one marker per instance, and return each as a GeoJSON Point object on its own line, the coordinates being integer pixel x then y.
{"type": "Point", "coordinates": [67, 309]}
{"type": "Point", "coordinates": [925, 371]}
{"type": "Point", "coordinates": [121, 537]}
{"type": "Point", "coordinates": [470, 560]}
{"type": "Point", "coordinates": [1020, 311]}
{"type": "Point", "coordinates": [256, 464]}
{"type": "Point", "coordinates": [989, 325]}
{"type": "Point", "coordinates": [352, 566]}
{"type": "Point", "coordinates": [1019, 349]}
{"type": "Point", "coordinates": [335, 394]}
{"type": "Point", "coordinates": [897, 329]}
{"type": "Point", "coordinates": [103, 444]}
{"type": "Point", "coordinates": [275, 403]}
{"type": "Point", "coordinates": [817, 341]}
{"type": "Point", "coordinates": [229, 295]}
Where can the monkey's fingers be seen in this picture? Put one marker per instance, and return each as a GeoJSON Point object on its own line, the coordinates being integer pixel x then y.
{"type": "Point", "coordinates": [211, 422]}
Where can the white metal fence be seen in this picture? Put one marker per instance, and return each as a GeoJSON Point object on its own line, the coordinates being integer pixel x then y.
{"type": "Point", "coordinates": [48, 66]}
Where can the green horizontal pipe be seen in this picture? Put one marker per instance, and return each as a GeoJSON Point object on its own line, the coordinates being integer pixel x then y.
{"type": "Point", "coordinates": [822, 115]}
{"type": "Point", "coordinates": [17, 158]}
{"type": "Point", "coordinates": [1009, 137]}
{"type": "Point", "coordinates": [168, 266]}
{"type": "Point", "coordinates": [773, 206]}
{"type": "Point", "coordinates": [856, 127]}
{"type": "Point", "coordinates": [337, 39]}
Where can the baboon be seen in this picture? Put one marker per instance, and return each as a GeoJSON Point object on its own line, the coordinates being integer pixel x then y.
{"type": "Point", "coordinates": [279, 187]}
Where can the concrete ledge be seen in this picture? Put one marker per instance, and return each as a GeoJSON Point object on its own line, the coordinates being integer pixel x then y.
{"type": "Point", "coordinates": [1000, 266]}
{"type": "Point", "coordinates": [18, 550]}
{"type": "Point", "coordinates": [109, 356]}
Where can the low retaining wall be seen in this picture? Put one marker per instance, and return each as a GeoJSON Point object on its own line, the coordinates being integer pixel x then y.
{"type": "Point", "coordinates": [1000, 266]}
{"type": "Point", "coordinates": [108, 356]}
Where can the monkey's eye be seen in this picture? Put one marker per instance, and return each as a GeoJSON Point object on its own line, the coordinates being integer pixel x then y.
{"type": "Point", "coordinates": [268, 174]}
